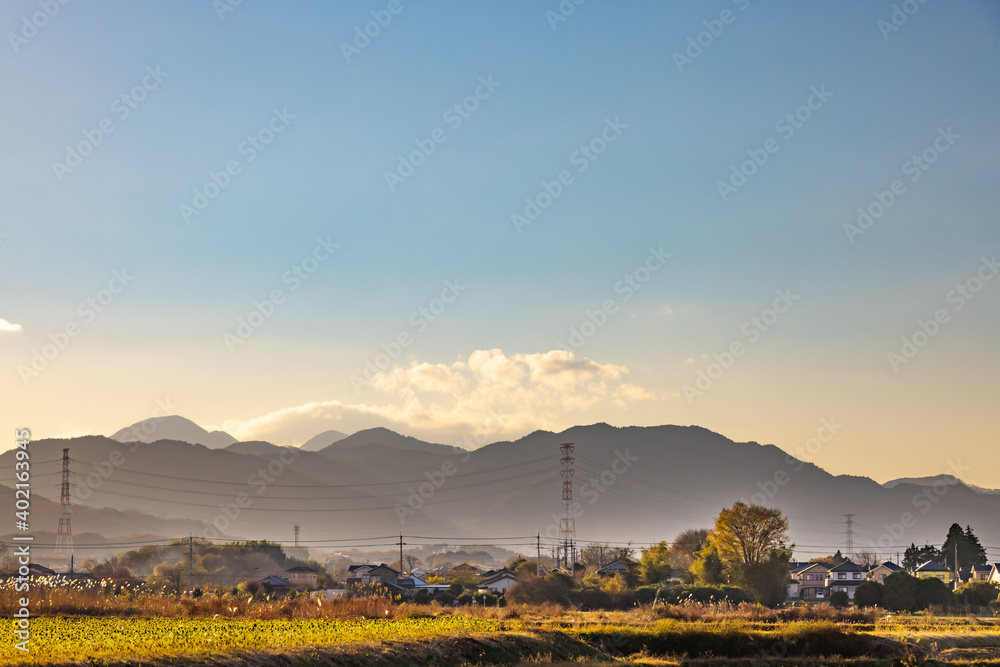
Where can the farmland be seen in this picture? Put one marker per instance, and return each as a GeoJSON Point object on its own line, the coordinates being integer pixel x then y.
{"type": "Point", "coordinates": [433, 635]}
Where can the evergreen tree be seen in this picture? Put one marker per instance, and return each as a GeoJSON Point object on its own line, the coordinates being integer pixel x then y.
{"type": "Point", "coordinates": [914, 555]}
{"type": "Point", "coordinates": [970, 551]}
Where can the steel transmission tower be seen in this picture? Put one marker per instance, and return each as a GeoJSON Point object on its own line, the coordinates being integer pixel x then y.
{"type": "Point", "coordinates": [567, 524]}
{"type": "Point", "coordinates": [849, 522]}
{"type": "Point", "coordinates": [64, 534]}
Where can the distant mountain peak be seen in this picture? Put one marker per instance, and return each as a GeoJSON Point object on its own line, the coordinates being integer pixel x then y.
{"type": "Point", "coordinates": [173, 427]}
{"type": "Point", "coordinates": [322, 441]}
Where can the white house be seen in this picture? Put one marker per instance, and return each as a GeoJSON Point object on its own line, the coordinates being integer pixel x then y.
{"type": "Point", "coordinates": [845, 578]}
{"type": "Point", "coordinates": [499, 581]}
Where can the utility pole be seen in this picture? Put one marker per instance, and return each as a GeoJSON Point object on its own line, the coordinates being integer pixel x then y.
{"type": "Point", "coordinates": [191, 560]}
{"type": "Point", "coordinates": [955, 584]}
{"type": "Point", "coordinates": [296, 528]}
{"type": "Point", "coordinates": [538, 553]}
{"type": "Point", "coordinates": [401, 543]}
{"type": "Point", "coordinates": [572, 559]}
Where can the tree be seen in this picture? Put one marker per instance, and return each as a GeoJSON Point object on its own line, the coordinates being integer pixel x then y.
{"type": "Point", "coordinates": [653, 566]}
{"type": "Point", "coordinates": [868, 594]}
{"type": "Point", "coordinates": [707, 567]}
{"type": "Point", "coordinates": [933, 591]}
{"type": "Point", "coordinates": [978, 594]}
{"type": "Point", "coordinates": [686, 547]}
{"type": "Point", "coordinates": [837, 558]}
{"type": "Point", "coordinates": [531, 589]}
{"type": "Point", "coordinates": [747, 534]}
{"type": "Point", "coordinates": [866, 558]}
{"type": "Point", "coordinates": [839, 599]}
{"type": "Point", "coordinates": [899, 592]}
{"type": "Point", "coordinates": [751, 544]}
{"type": "Point", "coordinates": [966, 544]}
{"type": "Point", "coordinates": [914, 555]}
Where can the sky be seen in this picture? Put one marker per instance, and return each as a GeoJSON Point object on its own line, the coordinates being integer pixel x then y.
{"type": "Point", "coordinates": [470, 221]}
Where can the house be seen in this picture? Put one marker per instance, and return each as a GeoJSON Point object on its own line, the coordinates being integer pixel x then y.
{"type": "Point", "coordinates": [979, 572]}
{"type": "Point", "coordinates": [414, 584]}
{"type": "Point", "coordinates": [812, 581]}
{"type": "Point", "coordinates": [371, 574]}
{"type": "Point", "coordinates": [882, 570]}
{"type": "Point", "coordinates": [34, 569]}
{"type": "Point", "coordinates": [845, 578]}
{"type": "Point", "coordinates": [995, 573]}
{"type": "Point", "coordinates": [933, 570]}
{"type": "Point", "coordinates": [279, 586]}
{"type": "Point", "coordinates": [612, 568]}
{"type": "Point", "coordinates": [795, 582]}
{"type": "Point", "coordinates": [302, 576]}
{"type": "Point", "coordinates": [499, 581]}
{"type": "Point", "coordinates": [328, 593]}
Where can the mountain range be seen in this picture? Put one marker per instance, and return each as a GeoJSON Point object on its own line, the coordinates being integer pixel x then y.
{"type": "Point", "coordinates": [632, 484]}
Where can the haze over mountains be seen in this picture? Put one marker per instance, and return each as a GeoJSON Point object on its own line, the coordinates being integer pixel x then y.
{"type": "Point", "coordinates": [634, 484]}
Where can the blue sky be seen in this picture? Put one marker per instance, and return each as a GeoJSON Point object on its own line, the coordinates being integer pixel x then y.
{"type": "Point", "coordinates": [655, 185]}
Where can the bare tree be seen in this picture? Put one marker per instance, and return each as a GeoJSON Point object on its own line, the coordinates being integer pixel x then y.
{"type": "Point", "coordinates": [685, 546]}
{"type": "Point", "coordinates": [598, 554]}
{"type": "Point", "coordinates": [866, 558]}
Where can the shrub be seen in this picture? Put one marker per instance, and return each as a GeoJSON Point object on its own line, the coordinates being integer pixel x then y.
{"type": "Point", "coordinates": [444, 597]}
{"type": "Point", "coordinates": [978, 594]}
{"type": "Point", "coordinates": [532, 589]}
{"type": "Point", "coordinates": [899, 593]}
{"type": "Point", "coordinates": [933, 592]}
{"type": "Point", "coordinates": [868, 594]}
{"type": "Point", "coordinates": [839, 599]}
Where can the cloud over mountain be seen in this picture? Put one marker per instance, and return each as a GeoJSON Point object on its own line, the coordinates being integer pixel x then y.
{"type": "Point", "coordinates": [489, 392]}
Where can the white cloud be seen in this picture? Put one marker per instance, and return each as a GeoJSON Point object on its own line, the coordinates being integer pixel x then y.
{"type": "Point", "coordinates": [7, 326]}
{"type": "Point", "coordinates": [489, 393]}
